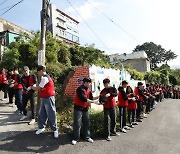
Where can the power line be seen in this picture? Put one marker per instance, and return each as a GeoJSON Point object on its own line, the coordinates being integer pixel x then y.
{"type": "Point", "coordinates": [112, 21]}
{"type": "Point", "coordinates": [5, 8]}
{"type": "Point", "coordinates": [88, 26]}
{"type": "Point", "coordinates": [12, 7]}
{"type": "Point", "coordinates": [3, 2]}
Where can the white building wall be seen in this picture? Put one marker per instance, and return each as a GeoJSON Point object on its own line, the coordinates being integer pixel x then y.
{"type": "Point", "coordinates": [67, 24]}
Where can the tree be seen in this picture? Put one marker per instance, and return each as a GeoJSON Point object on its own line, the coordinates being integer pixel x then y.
{"type": "Point", "coordinates": [156, 53]}
{"type": "Point", "coordinates": [152, 77]}
{"type": "Point", "coordinates": [11, 58]}
{"type": "Point", "coordinates": [135, 74]}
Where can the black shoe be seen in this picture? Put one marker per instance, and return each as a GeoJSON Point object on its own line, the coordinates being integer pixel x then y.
{"type": "Point", "coordinates": [114, 134]}
{"type": "Point", "coordinates": [139, 120]}
{"type": "Point", "coordinates": [134, 123]}
{"type": "Point", "coordinates": [131, 126]}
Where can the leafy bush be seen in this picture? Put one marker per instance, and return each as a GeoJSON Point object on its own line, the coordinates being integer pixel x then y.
{"type": "Point", "coordinates": [64, 106]}
{"type": "Point", "coordinates": [135, 74]}
{"type": "Point", "coordinates": [97, 123]}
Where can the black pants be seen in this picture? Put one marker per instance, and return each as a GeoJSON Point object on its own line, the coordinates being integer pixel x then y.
{"type": "Point", "coordinates": [81, 117]}
{"type": "Point", "coordinates": [148, 107]}
{"type": "Point", "coordinates": [157, 97]}
{"type": "Point", "coordinates": [109, 127]}
{"type": "Point", "coordinates": [131, 115]}
{"type": "Point", "coordinates": [25, 99]}
{"type": "Point", "coordinates": [152, 102]}
{"type": "Point", "coordinates": [4, 88]}
{"type": "Point", "coordinates": [139, 109]}
{"type": "Point", "coordinates": [122, 116]}
{"type": "Point", "coordinates": [11, 94]}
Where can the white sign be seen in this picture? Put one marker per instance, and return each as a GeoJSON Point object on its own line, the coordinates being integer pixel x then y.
{"type": "Point", "coordinates": [41, 58]}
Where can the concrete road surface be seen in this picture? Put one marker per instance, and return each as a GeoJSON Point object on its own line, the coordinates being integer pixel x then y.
{"type": "Point", "coordinates": [158, 134]}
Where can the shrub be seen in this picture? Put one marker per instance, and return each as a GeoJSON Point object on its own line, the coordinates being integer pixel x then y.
{"type": "Point", "coordinates": [97, 123]}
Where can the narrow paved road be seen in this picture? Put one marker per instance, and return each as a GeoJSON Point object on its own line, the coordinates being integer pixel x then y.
{"type": "Point", "coordinates": [158, 134]}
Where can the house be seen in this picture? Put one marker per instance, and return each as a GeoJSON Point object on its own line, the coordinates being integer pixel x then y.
{"type": "Point", "coordinates": [138, 60]}
{"type": "Point", "coordinates": [9, 32]}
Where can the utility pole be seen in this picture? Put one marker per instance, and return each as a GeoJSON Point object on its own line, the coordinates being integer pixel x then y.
{"type": "Point", "coordinates": [42, 51]}
{"type": "Point", "coordinates": [44, 17]}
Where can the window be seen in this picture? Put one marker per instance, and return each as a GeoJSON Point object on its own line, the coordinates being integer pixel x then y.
{"type": "Point", "coordinates": [62, 32]}
{"type": "Point", "coordinates": [62, 16]}
{"type": "Point", "coordinates": [75, 39]}
{"type": "Point", "coordinates": [68, 27]}
{"type": "Point", "coordinates": [69, 36]}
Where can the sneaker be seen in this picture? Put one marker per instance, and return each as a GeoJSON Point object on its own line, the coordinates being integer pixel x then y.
{"type": "Point", "coordinates": [39, 131]}
{"type": "Point", "coordinates": [138, 120]}
{"type": "Point", "coordinates": [134, 123]}
{"type": "Point", "coordinates": [20, 113]}
{"type": "Point", "coordinates": [108, 138]}
{"type": "Point", "coordinates": [123, 130]}
{"type": "Point", "coordinates": [56, 134]}
{"type": "Point", "coordinates": [126, 127]}
{"type": "Point", "coordinates": [74, 142]}
{"type": "Point", "coordinates": [144, 115]}
{"type": "Point", "coordinates": [131, 126]}
{"type": "Point", "coordinates": [115, 134]}
{"type": "Point", "coordinates": [4, 99]}
{"type": "Point", "coordinates": [23, 118]}
{"type": "Point", "coordinates": [32, 122]}
{"type": "Point", "coordinates": [90, 140]}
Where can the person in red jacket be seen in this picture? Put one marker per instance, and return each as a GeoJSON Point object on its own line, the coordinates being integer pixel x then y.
{"type": "Point", "coordinates": [139, 92]}
{"type": "Point", "coordinates": [82, 101]}
{"type": "Point", "coordinates": [18, 90]}
{"type": "Point", "coordinates": [47, 111]}
{"type": "Point", "coordinates": [4, 83]}
{"type": "Point", "coordinates": [122, 104]}
{"type": "Point", "coordinates": [132, 106]}
{"type": "Point", "coordinates": [28, 80]}
{"type": "Point", "coordinates": [10, 78]}
{"type": "Point", "coordinates": [107, 98]}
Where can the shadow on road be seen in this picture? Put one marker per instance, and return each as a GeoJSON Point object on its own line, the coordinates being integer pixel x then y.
{"type": "Point", "coordinates": [29, 142]}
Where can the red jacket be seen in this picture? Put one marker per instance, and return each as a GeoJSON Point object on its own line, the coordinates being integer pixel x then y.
{"type": "Point", "coordinates": [132, 105]}
{"type": "Point", "coordinates": [122, 98]}
{"type": "Point", "coordinates": [17, 79]}
{"type": "Point", "coordinates": [139, 93]}
{"type": "Point", "coordinates": [48, 90]}
{"type": "Point", "coordinates": [28, 81]}
{"type": "Point", "coordinates": [82, 102]}
{"type": "Point", "coordinates": [111, 101]}
{"type": "Point", "coordinates": [3, 79]}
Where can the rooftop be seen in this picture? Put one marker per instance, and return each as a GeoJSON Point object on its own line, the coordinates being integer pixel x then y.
{"type": "Point", "coordinates": [13, 27]}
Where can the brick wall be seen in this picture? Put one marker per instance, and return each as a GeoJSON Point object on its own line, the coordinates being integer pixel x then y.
{"type": "Point", "coordinates": [73, 84]}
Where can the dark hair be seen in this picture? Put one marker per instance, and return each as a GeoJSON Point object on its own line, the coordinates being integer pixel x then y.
{"type": "Point", "coordinates": [16, 68]}
{"type": "Point", "coordinates": [87, 80]}
{"type": "Point", "coordinates": [124, 82]}
{"type": "Point", "coordinates": [41, 68]}
{"type": "Point", "coordinates": [147, 85]}
{"type": "Point", "coordinates": [127, 92]}
{"type": "Point", "coordinates": [11, 69]}
{"type": "Point", "coordinates": [140, 84]}
{"type": "Point", "coordinates": [106, 81]}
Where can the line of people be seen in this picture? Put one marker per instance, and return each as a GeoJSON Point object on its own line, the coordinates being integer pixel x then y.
{"type": "Point", "coordinates": [23, 88]}
{"type": "Point", "coordinates": [136, 104]}
{"type": "Point", "coordinates": [133, 105]}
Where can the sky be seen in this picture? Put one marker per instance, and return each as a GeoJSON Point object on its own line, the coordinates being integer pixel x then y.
{"type": "Point", "coordinates": [137, 22]}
